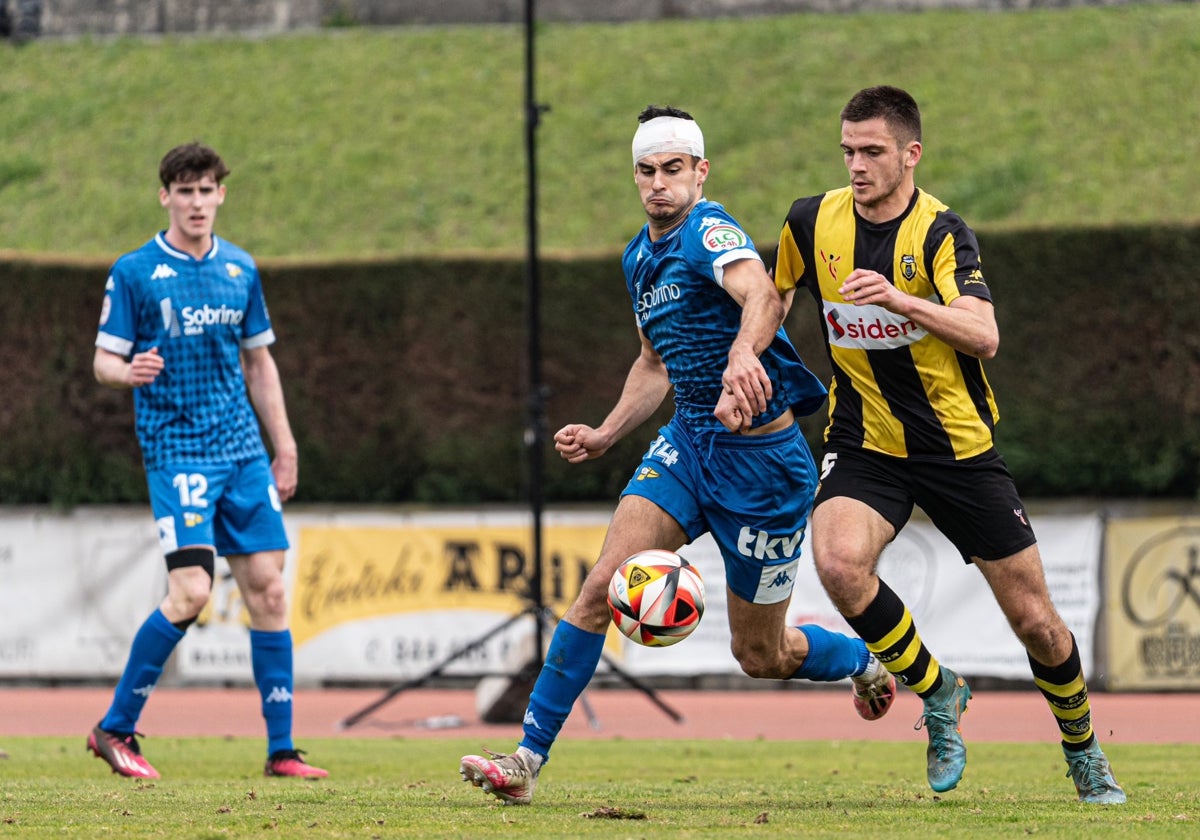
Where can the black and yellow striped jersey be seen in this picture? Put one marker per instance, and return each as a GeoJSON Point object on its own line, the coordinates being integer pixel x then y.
{"type": "Point", "coordinates": [896, 389]}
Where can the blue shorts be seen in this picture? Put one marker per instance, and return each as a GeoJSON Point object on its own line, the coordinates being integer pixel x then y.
{"type": "Point", "coordinates": [233, 507]}
{"type": "Point", "coordinates": [752, 492]}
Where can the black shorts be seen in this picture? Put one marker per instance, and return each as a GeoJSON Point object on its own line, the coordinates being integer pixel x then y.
{"type": "Point", "coordinates": [974, 502]}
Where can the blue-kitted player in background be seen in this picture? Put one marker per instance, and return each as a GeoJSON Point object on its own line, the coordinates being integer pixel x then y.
{"type": "Point", "coordinates": [184, 324]}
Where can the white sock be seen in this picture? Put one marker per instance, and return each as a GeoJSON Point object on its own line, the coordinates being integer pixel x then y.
{"type": "Point", "coordinates": [871, 672]}
{"type": "Point", "coordinates": [532, 757]}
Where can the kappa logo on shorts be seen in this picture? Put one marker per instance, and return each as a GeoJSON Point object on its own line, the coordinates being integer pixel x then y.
{"type": "Point", "coordinates": [781, 579]}
{"type": "Point", "coordinates": [775, 581]}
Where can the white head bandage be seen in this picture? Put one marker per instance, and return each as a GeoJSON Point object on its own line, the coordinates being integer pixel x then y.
{"type": "Point", "coordinates": [667, 134]}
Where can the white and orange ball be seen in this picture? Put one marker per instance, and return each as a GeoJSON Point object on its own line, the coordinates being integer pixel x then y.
{"type": "Point", "coordinates": [656, 598]}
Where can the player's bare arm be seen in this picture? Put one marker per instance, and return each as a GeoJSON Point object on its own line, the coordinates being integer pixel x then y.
{"type": "Point", "coordinates": [968, 324]}
{"type": "Point", "coordinates": [731, 415]}
{"type": "Point", "coordinates": [744, 378]}
{"type": "Point", "coordinates": [646, 386]}
{"type": "Point", "coordinates": [118, 372]}
{"type": "Point", "coordinates": [266, 394]}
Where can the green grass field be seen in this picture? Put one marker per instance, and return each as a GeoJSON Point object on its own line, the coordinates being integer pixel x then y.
{"type": "Point", "coordinates": [360, 142]}
{"type": "Point", "coordinates": [614, 789]}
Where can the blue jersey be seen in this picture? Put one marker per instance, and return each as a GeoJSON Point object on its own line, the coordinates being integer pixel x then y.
{"type": "Point", "coordinates": [199, 313]}
{"type": "Point", "coordinates": [691, 321]}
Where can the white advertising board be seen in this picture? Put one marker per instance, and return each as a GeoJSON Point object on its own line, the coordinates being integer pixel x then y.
{"type": "Point", "coordinates": [381, 595]}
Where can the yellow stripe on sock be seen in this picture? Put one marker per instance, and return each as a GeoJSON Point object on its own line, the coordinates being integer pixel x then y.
{"type": "Point", "coordinates": [894, 636]}
{"type": "Point", "coordinates": [1072, 688]}
{"type": "Point", "coordinates": [930, 675]}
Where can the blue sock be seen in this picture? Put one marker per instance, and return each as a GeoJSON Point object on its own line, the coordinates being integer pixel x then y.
{"type": "Point", "coordinates": [271, 661]}
{"type": "Point", "coordinates": [831, 656]}
{"type": "Point", "coordinates": [570, 663]}
{"type": "Point", "coordinates": [152, 646]}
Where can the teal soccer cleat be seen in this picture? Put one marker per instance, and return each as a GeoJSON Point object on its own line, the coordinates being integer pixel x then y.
{"type": "Point", "coordinates": [1093, 777]}
{"type": "Point", "coordinates": [946, 756]}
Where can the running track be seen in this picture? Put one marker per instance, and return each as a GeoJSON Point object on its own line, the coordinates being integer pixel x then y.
{"type": "Point", "coordinates": [823, 714]}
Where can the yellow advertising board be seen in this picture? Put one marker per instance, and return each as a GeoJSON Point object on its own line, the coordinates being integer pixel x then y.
{"type": "Point", "coordinates": [346, 574]}
{"type": "Point", "coordinates": [1152, 603]}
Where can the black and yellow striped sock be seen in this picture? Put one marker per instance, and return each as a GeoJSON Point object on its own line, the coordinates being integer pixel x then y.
{"type": "Point", "coordinates": [1066, 692]}
{"type": "Point", "coordinates": [888, 629]}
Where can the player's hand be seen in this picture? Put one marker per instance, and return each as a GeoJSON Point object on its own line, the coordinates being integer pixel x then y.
{"type": "Point", "coordinates": [285, 468]}
{"type": "Point", "coordinates": [577, 443]}
{"type": "Point", "coordinates": [145, 367]}
{"type": "Point", "coordinates": [732, 417]}
{"type": "Point", "coordinates": [862, 287]}
{"type": "Point", "coordinates": [746, 381]}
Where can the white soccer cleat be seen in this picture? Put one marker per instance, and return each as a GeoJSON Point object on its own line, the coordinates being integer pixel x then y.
{"type": "Point", "coordinates": [510, 778]}
{"type": "Point", "coordinates": [874, 690]}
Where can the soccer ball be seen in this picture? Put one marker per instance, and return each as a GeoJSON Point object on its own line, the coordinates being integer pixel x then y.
{"type": "Point", "coordinates": [656, 598]}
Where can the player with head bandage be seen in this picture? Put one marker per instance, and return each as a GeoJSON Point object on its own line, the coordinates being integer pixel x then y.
{"type": "Point", "coordinates": [710, 322]}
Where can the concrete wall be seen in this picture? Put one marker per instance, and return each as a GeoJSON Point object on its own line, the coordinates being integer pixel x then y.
{"type": "Point", "coordinates": [73, 18]}
{"type": "Point", "coordinates": [120, 17]}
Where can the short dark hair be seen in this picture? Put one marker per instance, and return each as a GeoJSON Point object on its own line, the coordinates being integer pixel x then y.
{"type": "Point", "coordinates": [191, 162]}
{"type": "Point", "coordinates": [652, 112]}
{"type": "Point", "coordinates": [897, 108]}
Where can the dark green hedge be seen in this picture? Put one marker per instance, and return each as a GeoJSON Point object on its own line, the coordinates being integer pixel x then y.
{"type": "Point", "coordinates": [407, 380]}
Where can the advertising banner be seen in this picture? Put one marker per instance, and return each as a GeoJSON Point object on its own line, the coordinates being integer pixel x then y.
{"type": "Point", "coordinates": [68, 582]}
{"type": "Point", "coordinates": [390, 595]}
{"type": "Point", "coordinates": [953, 608]}
{"type": "Point", "coordinates": [1152, 604]}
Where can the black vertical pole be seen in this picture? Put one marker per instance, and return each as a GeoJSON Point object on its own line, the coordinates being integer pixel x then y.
{"type": "Point", "coordinates": [534, 434]}
{"type": "Point", "coordinates": [535, 431]}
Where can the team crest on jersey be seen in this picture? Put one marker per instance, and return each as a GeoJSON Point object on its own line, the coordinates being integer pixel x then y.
{"type": "Point", "coordinates": [908, 266]}
{"type": "Point", "coordinates": [724, 237]}
{"type": "Point", "coordinates": [233, 269]}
